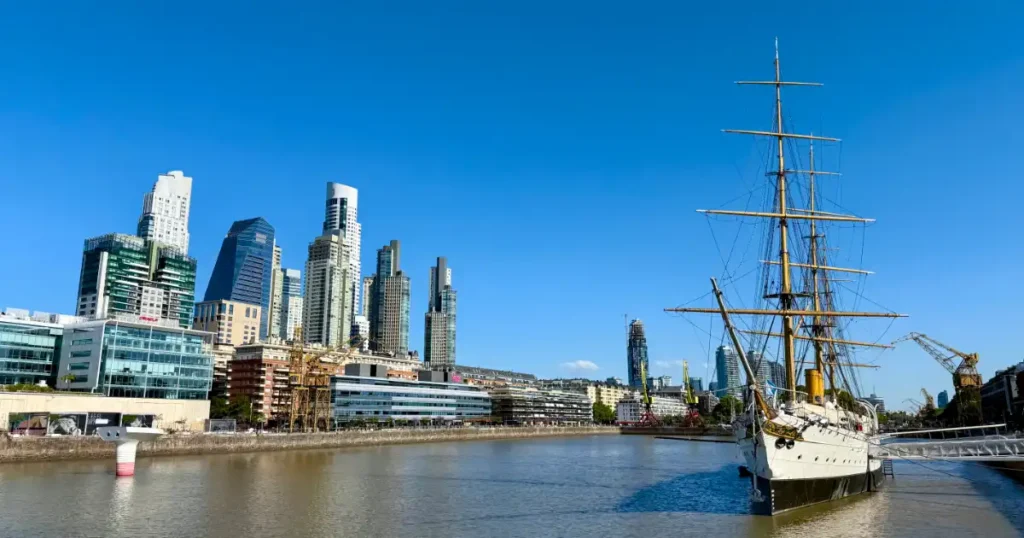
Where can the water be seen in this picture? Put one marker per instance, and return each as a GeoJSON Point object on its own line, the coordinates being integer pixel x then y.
{"type": "Point", "coordinates": [622, 486]}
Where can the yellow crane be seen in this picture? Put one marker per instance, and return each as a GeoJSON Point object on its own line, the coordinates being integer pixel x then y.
{"type": "Point", "coordinates": [966, 379]}
{"type": "Point", "coordinates": [690, 396]}
{"type": "Point", "coordinates": [648, 418]}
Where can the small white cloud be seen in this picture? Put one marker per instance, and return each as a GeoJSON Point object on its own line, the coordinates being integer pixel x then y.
{"type": "Point", "coordinates": [668, 364]}
{"type": "Point", "coordinates": [580, 365]}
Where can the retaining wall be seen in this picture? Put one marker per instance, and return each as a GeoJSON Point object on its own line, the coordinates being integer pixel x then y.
{"type": "Point", "coordinates": [17, 448]}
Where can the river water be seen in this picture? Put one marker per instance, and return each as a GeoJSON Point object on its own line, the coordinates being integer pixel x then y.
{"type": "Point", "coordinates": [621, 486]}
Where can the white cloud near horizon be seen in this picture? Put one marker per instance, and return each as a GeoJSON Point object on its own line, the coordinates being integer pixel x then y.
{"type": "Point", "coordinates": [580, 366]}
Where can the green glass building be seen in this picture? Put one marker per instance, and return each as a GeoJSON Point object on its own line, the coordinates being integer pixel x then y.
{"type": "Point", "coordinates": [28, 350]}
{"type": "Point", "coordinates": [125, 274]}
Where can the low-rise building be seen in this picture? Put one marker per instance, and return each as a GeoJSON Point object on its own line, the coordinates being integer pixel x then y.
{"type": "Point", "coordinates": [631, 411]}
{"type": "Point", "coordinates": [999, 393]}
{"type": "Point", "coordinates": [68, 413]}
{"type": "Point", "coordinates": [29, 347]}
{"type": "Point", "coordinates": [365, 393]}
{"type": "Point", "coordinates": [136, 360]}
{"type": "Point", "coordinates": [489, 377]}
{"type": "Point", "coordinates": [609, 394]}
{"type": "Point", "coordinates": [530, 405]}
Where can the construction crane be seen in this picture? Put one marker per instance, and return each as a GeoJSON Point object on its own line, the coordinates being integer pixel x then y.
{"type": "Point", "coordinates": [966, 379]}
{"type": "Point", "coordinates": [691, 397]}
{"type": "Point", "coordinates": [929, 402]}
{"type": "Point", "coordinates": [310, 408]}
{"type": "Point", "coordinates": [693, 418]}
{"type": "Point", "coordinates": [648, 418]}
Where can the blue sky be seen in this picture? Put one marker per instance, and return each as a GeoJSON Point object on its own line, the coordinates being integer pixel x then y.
{"type": "Point", "coordinates": [553, 151]}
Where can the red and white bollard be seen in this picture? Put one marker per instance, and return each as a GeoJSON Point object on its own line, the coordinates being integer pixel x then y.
{"type": "Point", "coordinates": [127, 439]}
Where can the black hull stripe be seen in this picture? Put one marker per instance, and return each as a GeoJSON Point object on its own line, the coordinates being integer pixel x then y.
{"type": "Point", "coordinates": [782, 495]}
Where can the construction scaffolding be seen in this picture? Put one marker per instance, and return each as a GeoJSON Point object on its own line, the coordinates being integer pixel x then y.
{"type": "Point", "coordinates": [309, 381]}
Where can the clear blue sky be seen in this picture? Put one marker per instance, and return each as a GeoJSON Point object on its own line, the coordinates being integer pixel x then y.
{"type": "Point", "coordinates": [554, 151]}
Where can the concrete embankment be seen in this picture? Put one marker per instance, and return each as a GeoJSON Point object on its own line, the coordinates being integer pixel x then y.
{"type": "Point", "coordinates": [16, 448]}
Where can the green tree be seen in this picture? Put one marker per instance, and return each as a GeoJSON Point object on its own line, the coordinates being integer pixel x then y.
{"type": "Point", "coordinates": [68, 379]}
{"type": "Point", "coordinates": [219, 407]}
{"type": "Point", "coordinates": [603, 414]}
{"type": "Point", "coordinates": [722, 412]}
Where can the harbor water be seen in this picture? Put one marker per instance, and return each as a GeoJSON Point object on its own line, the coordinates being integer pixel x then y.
{"type": "Point", "coordinates": [597, 486]}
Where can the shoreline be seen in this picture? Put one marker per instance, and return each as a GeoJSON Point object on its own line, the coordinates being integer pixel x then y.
{"type": "Point", "coordinates": [34, 449]}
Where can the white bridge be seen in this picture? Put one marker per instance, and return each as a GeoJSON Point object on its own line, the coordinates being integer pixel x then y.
{"type": "Point", "coordinates": [990, 448]}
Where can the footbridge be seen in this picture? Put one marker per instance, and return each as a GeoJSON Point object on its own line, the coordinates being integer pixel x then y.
{"type": "Point", "coordinates": [964, 446]}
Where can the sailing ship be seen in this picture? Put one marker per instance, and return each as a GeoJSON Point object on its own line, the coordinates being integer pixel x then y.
{"type": "Point", "coordinates": [809, 446]}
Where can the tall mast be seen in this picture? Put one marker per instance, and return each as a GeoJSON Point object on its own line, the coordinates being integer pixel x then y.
{"type": "Point", "coordinates": [787, 307]}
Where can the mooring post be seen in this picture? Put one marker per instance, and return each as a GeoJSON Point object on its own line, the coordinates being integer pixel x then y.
{"type": "Point", "coordinates": [127, 439]}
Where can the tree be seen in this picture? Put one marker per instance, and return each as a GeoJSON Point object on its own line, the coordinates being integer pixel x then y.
{"type": "Point", "coordinates": [603, 414]}
{"type": "Point", "coordinates": [846, 401]}
{"type": "Point", "coordinates": [726, 407]}
{"type": "Point", "coordinates": [219, 407]}
{"type": "Point", "coordinates": [68, 379]}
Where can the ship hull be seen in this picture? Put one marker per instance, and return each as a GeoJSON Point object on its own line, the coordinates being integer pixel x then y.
{"type": "Point", "coordinates": [777, 496]}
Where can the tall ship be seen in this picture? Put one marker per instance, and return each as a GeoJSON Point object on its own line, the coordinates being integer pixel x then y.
{"type": "Point", "coordinates": [808, 443]}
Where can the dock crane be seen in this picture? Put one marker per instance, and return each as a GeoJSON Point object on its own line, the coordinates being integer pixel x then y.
{"type": "Point", "coordinates": [310, 408]}
{"type": "Point", "coordinates": [693, 418]}
{"type": "Point", "coordinates": [966, 379]}
{"type": "Point", "coordinates": [648, 418]}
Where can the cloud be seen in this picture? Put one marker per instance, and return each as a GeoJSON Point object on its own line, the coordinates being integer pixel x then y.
{"type": "Point", "coordinates": [580, 365]}
{"type": "Point", "coordinates": [668, 364]}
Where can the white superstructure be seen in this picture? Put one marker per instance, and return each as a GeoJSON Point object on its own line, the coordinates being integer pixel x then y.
{"type": "Point", "coordinates": [165, 211]}
{"type": "Point", "coordinates": [341, 212]}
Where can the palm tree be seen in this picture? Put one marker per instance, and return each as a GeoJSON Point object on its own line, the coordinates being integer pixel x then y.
{"type": "Point", "coordinates": [68, 379]}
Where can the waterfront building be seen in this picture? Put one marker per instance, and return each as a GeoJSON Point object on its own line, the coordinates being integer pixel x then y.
{"type": "Point", "coordinates": [260, 372]}
{"type": "Point", "coordinates": [365, 393]}
{"type": "Point", "coordinates": [223, 354]}
{"type": "Point", "coordinates": [706, 402]}
{"type": "Point", "coordinates": [630, 411]}
{"type": "Point", "coordinates": [245, 267]}
{"type": "Point", "coordinates": [439, 324]}
{"type": "Point", "coordinates": [999, 393]}
{"type": "Point", "coordinates": [341, 213]}
{"type": "Point", "coordinates": [659, 382]}
{"type": "Point", "coordinates": [73, 414]}
{"type": "Point", "coordinates": [125, 274]}
{"type": "Point", "coordinates": [165, 211]}
{"type": "Point", "coordinates": [609, 394]}
{"type": "Point", "coordinates": [232, 322]}
{"type": "Point", "coordinates": [29, 347]}
{"type": "Point", "coordinates": [696, 384]}
{"type": "Point", "coordinates": [614, 381]}
{"type": "Point", "coordinates": [727, 364]}
{"type": "Point", "coordinates": [677, 392]}
{"type": "Point", "coordinates": [530, 405]}
{"type": "Point", "coordinates": [876, 401]}
{"type": "Point", "coordinates": [136, 359]}
{"type": "Point", "coordinates": [389, 308]}
{"type": "Point", "coordinates": [325, 319]}
{"type": "Point", "coordinates": [943, 399]}
{"type": "Point", "coordinates": [636, 353]}
{"type": "Point", "coordinates": [490, 377]}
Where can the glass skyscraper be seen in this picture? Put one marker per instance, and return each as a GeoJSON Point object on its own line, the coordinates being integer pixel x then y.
{"type": "Point", "coordinates": [389, 307]}
{"type": "Point", "coordinates": [727, 366]}
{"type": "Point", "coordinates": [244, 268]}
{"type": "Point", "coordinates": [439, 325]}
{"type": "Point", "coordinates": [636, 353]}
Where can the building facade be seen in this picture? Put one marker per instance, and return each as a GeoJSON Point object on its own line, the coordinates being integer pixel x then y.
{"type": "Point", "coordinates": [136, 360]}
{"type": "Point", "coordinates": [232, 322]}
{"type": "Point", "coordinates": [632, 410]}
{"type": "Point", "coordinates": [260, 372]}
{"type": "Point", "coordinates": [165, 211]}
{"type": "Point", "coordinates": [28, 349]}
{"type": "Point", "coordinates": [125, 274]}
{"type": "Point", "coordinates": [439, 323]}
{"type": "Point", "coordinates": [609, 394]}
{"type": "Point", "coordinates": [364, 306]}
{"type": "Point", "coordinates": [325, 318]}
{"type": "Point", "coordinates": [778, 373]}
{"type": "Point", "coordinates": [489, 377]}
{"type": "Point", "coordinates": [245, 268]}
{"type": "Point", "coordinates": [530, 405]}
{"type": "Point", "coordinates": [876, 401]}
{"type": "Point", "coordinates": [636, 353]}
{"type": "Point", "coordinates": [999, 393]}
{"type": "Point", "coordinates": [341, 214]}
{"type": "Point", "coordinates": [696, 384]}
{"type": "Point", "coordinates": [292, 304]}
{"type": "Point", "coordinates": [761, 366]}
{"type": "Point", "coordinates": [942, 400]}
{"type": "Point", "coordinates": [389, 308]}
{"type": "Point", "coordinates": [727, 365]}
{"type": "Point", "coordinates": [358, 395]}
{"type": "Point", "coordinates": [361, 331]}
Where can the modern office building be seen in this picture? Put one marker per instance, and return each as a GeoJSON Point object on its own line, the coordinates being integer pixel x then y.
{"type": "Point", "coordinates": [325, 319]}
{"type": "Point", "coordinates": [713, 387]}
{"type": "Point", "coordinates": [727, 365]}
{"type": "Point", "coordinates": [389, 308]}
{"type": "Point", "coordinates": [341, 213]}
{"type": "Point", "coordinates": [659, 382]}
{"type": "Point", "coordinates": [439, 323]}
{"type": "Point", "coordinates": [232, 322]}
{"type": "Point", "coordinates": [293, 305]}
{"type": "Point", "coordinates": [696, 384]}
{"type": "Point", "coordinates": [778, 373]}
{"type": "Point", "coordinates": [245, 267]}
{"type": "Point", "coordinates": [135, 359]}
{"type": "Point", "coordinates": [636, 353]}
{"type": "Point", "coordinates": [530, 405]}
{"type": "Point", "coordinates": [364, 306]}
{"type": "Point", "coordinates": [942, 400]}
{"type": "Point", "coordinates": [277, 302]}
{"type": "Point", "coordinates": [165, 211]}
{"type": "Point", "coordinates": [125, 274]}
{"type": "Point", "coordinates": [366, 393]}
{"type": "Point", "coordinates": [29, 348]}
{"type": "Point", "coordinates": [761, 365]}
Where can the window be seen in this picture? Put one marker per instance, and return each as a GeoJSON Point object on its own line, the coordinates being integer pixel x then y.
{"type": "Point", "coordinates": [78, 366]}
{"type": "Point", "coordinates": [84, 353]}
{"type": "Point", "coordinates": [81, 342]}
{"type": "Point", "coordinates": [231, 309]}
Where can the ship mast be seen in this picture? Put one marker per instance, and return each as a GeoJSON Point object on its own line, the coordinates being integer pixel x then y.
{"type": "Point", "coordinates": [787, 306]}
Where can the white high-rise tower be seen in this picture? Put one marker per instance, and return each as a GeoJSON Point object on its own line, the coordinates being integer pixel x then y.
{"type": "Point", "coordinates": [165, 211]}
{"type": "Point", "coordinates": [340, 214]}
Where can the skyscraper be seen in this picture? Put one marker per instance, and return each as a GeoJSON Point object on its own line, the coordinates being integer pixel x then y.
{"type": "Point", "coordinates": [340, 213]}
{"type": "Point", "coordinates": [244, 268]}
{"type": "Point", "coordinates": [165, 211]}
{"type": "Point", "coordinates": [439, 326]}
{"type": "Point", "coordinates": [943, 399]}
{"type": "Point", "coordinates": [727, 365]}
{"type": "Point", "coordinates": [277, 300]}
{"type": "Point", "coordinates": [778, 373]}
{"type": "Point", "coordinates": [697, 384]}
{"type": "Point", "coordinates": [636, 353]}
{"type": "Point", "coordinates": [325, 318]}
{"type": "Point", "coordinates": [125, 274]}
{"type": "Point", "coordinates": [364, 308]}
{"type": "Point", "coordinates": [389, 308]}
{"type": "Point", "coordinates": [762, 367]}
{"type": "Point", "coordinates": [292, 300]}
